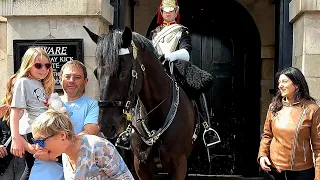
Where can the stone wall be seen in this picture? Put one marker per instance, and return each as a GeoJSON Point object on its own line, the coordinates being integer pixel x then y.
{"type": "Point", "coordinates": [58, 19]}
{"type": "Point", "coordinates": [262, 11]}
{"type": "Point", "coordinates": [305, 16]}
{"type": "Point", "coordinates": [144, 14]}
{"type": "Point", "coordinates": [3, 53]}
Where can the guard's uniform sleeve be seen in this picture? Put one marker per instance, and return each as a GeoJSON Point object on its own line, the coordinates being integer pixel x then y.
{"type": "Point", "coordinates": [185, 40]}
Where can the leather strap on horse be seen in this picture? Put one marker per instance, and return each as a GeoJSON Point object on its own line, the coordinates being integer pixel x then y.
{"type": "Point", "coordinates": [108, 104]}
{"type": "Point", "coordinates": [154, 135]}
{"type": "Point", "coordinates": [134, 76]}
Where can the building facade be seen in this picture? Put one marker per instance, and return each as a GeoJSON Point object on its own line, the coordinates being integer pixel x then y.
{"type": "Point", "coordinates": [251, 39]}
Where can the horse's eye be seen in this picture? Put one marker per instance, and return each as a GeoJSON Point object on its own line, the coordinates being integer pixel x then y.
{"type": "Point", "coordinates": [123, 75]}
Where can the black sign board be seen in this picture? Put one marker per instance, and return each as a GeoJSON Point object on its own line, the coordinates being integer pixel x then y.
{"type": "Point", "coordinates": [60, 51]}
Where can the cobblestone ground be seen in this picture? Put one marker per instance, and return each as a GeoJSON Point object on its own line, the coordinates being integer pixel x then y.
{"type": "Point", "coordinates": [210, 177]}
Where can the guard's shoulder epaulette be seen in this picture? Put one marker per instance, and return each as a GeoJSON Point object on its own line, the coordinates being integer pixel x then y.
{"type": "Point", "coordinates": [185, 29]}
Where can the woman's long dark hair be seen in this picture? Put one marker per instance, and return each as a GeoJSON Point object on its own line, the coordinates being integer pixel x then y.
{"type": "Point", "coordinates": [302, 92]}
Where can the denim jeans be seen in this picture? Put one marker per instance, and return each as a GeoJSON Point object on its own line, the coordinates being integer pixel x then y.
{"type": "Point", "coordinates": [15, 169]}
{"type": "Point", "coordinates": [307, 174]}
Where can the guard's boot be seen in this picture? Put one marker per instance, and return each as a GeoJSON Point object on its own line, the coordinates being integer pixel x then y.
{"type": "Point", "coordinates": [210, 136]}
{"type": "Point", "coordinates": [123, 141]}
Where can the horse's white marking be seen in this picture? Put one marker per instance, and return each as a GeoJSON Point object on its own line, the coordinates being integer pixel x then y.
{"type": "Point", "coordinates": [124, 51]}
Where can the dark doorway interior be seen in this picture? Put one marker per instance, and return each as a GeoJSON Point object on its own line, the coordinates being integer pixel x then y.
{"type": "Point", "coordinates": [226, 43]}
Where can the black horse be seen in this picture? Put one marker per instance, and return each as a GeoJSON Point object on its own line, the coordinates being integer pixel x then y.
{"type": "Point", "coordinates": [129, 72]}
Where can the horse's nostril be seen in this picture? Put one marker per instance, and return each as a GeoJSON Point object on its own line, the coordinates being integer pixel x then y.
{"type": "Point", "coordinates": [111, 130]}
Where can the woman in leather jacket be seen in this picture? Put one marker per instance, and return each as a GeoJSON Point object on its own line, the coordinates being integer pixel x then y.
{"type": "Point", "coordinates": [291, 133]}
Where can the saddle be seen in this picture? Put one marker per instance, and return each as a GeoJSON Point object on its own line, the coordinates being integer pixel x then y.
{"type": "Point", "coordinates": [193, 80]}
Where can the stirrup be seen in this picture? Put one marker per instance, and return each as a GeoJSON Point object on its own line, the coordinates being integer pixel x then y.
{"type": "Point", "coordinates": [215, 136]}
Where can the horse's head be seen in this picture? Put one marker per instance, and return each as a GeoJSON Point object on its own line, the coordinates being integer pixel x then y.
{"type": "Point", "coordinates": [119, 73]}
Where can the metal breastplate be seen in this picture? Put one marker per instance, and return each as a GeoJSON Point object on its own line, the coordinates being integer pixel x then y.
{"type": "Point", "coordinates": [166, 40]}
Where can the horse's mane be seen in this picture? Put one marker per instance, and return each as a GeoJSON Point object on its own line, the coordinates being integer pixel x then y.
{"type": "Point", "coordinates": [107, 51]}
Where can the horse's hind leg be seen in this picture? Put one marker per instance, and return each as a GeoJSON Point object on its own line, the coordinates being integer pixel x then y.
{"type": "Point", "coordinates": [178, 169]}
{"type": "Point", "coordinates": [142, 169]}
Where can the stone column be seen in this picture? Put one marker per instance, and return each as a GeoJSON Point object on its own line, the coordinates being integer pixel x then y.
{"type": "Point", "coordinates": [305, 16]}
{"type": "Point", "coordinates": [57, 19]}
{"type": "Point", "coordinates": [3, 53]}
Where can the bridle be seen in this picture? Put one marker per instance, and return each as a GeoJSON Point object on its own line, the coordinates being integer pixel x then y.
{"type": "Point", "coordinates": [152, 135]}
{"type": "Point", "coordinates": [129, 101]}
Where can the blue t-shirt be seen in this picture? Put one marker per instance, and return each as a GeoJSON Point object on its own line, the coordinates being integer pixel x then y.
{"type": "Point", "coordinates": [48, 170]}
{"type": "Point", "coordinates": [82, 111]}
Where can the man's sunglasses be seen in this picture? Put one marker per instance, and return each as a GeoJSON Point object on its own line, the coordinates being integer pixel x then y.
{"type": "Point", "coordinates": [39, 65]}
{"type": "Point", "coordinates": [41, 141]}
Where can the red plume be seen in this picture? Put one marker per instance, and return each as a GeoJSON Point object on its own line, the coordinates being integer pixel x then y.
{"type": "Point", "coordinates": [160, 19]}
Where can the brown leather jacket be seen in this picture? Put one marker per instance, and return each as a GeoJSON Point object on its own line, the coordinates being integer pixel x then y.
{"type": "Point", "coordinates": [288, 144]}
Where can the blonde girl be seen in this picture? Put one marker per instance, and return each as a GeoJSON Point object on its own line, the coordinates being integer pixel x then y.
{"type": "Point", "coordinates": [34, 84]}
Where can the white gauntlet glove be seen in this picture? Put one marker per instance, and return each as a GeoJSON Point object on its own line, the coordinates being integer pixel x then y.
{"type": "Point", "coordinates": [182, 54]}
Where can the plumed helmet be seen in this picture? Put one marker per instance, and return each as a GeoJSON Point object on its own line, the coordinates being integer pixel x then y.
{"type": "Point", "coordinates": [167, 6]}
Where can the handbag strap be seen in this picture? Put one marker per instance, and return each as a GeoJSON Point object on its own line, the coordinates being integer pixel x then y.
{"type": "Point", "coordinates": [8, 141]}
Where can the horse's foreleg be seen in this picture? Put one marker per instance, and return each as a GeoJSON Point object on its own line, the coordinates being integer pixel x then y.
{"type": "Point", "coordinates": [142, 169]}
{"type": "Point", "coordinates": [178, 171]}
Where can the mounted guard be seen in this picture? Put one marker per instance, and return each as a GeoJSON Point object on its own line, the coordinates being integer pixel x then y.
{"type": "Point", "coordinates": [173, 45]}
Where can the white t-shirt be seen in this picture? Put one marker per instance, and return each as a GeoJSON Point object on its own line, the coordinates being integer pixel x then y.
{"type": "Point", "coordinates": [29, 94]}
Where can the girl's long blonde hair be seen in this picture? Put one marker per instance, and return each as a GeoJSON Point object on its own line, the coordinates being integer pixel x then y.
{"type": "Point", "coordinates": [8, 97]}
{"type": "Point", "coordinates": [27, 62]}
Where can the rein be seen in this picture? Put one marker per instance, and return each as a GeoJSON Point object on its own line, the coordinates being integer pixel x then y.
{"type": "Point", "coordinates": [153, 136]}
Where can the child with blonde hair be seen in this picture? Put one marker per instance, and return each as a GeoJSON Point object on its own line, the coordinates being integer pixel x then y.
{"type": "Point", "coordinates": [34, 85]}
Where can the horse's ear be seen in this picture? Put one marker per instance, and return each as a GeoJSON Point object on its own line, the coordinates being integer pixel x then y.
{"type": "Point", "coordinates": [92, 35]}
{"type": "Point", "coordinates": [126, 37]}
